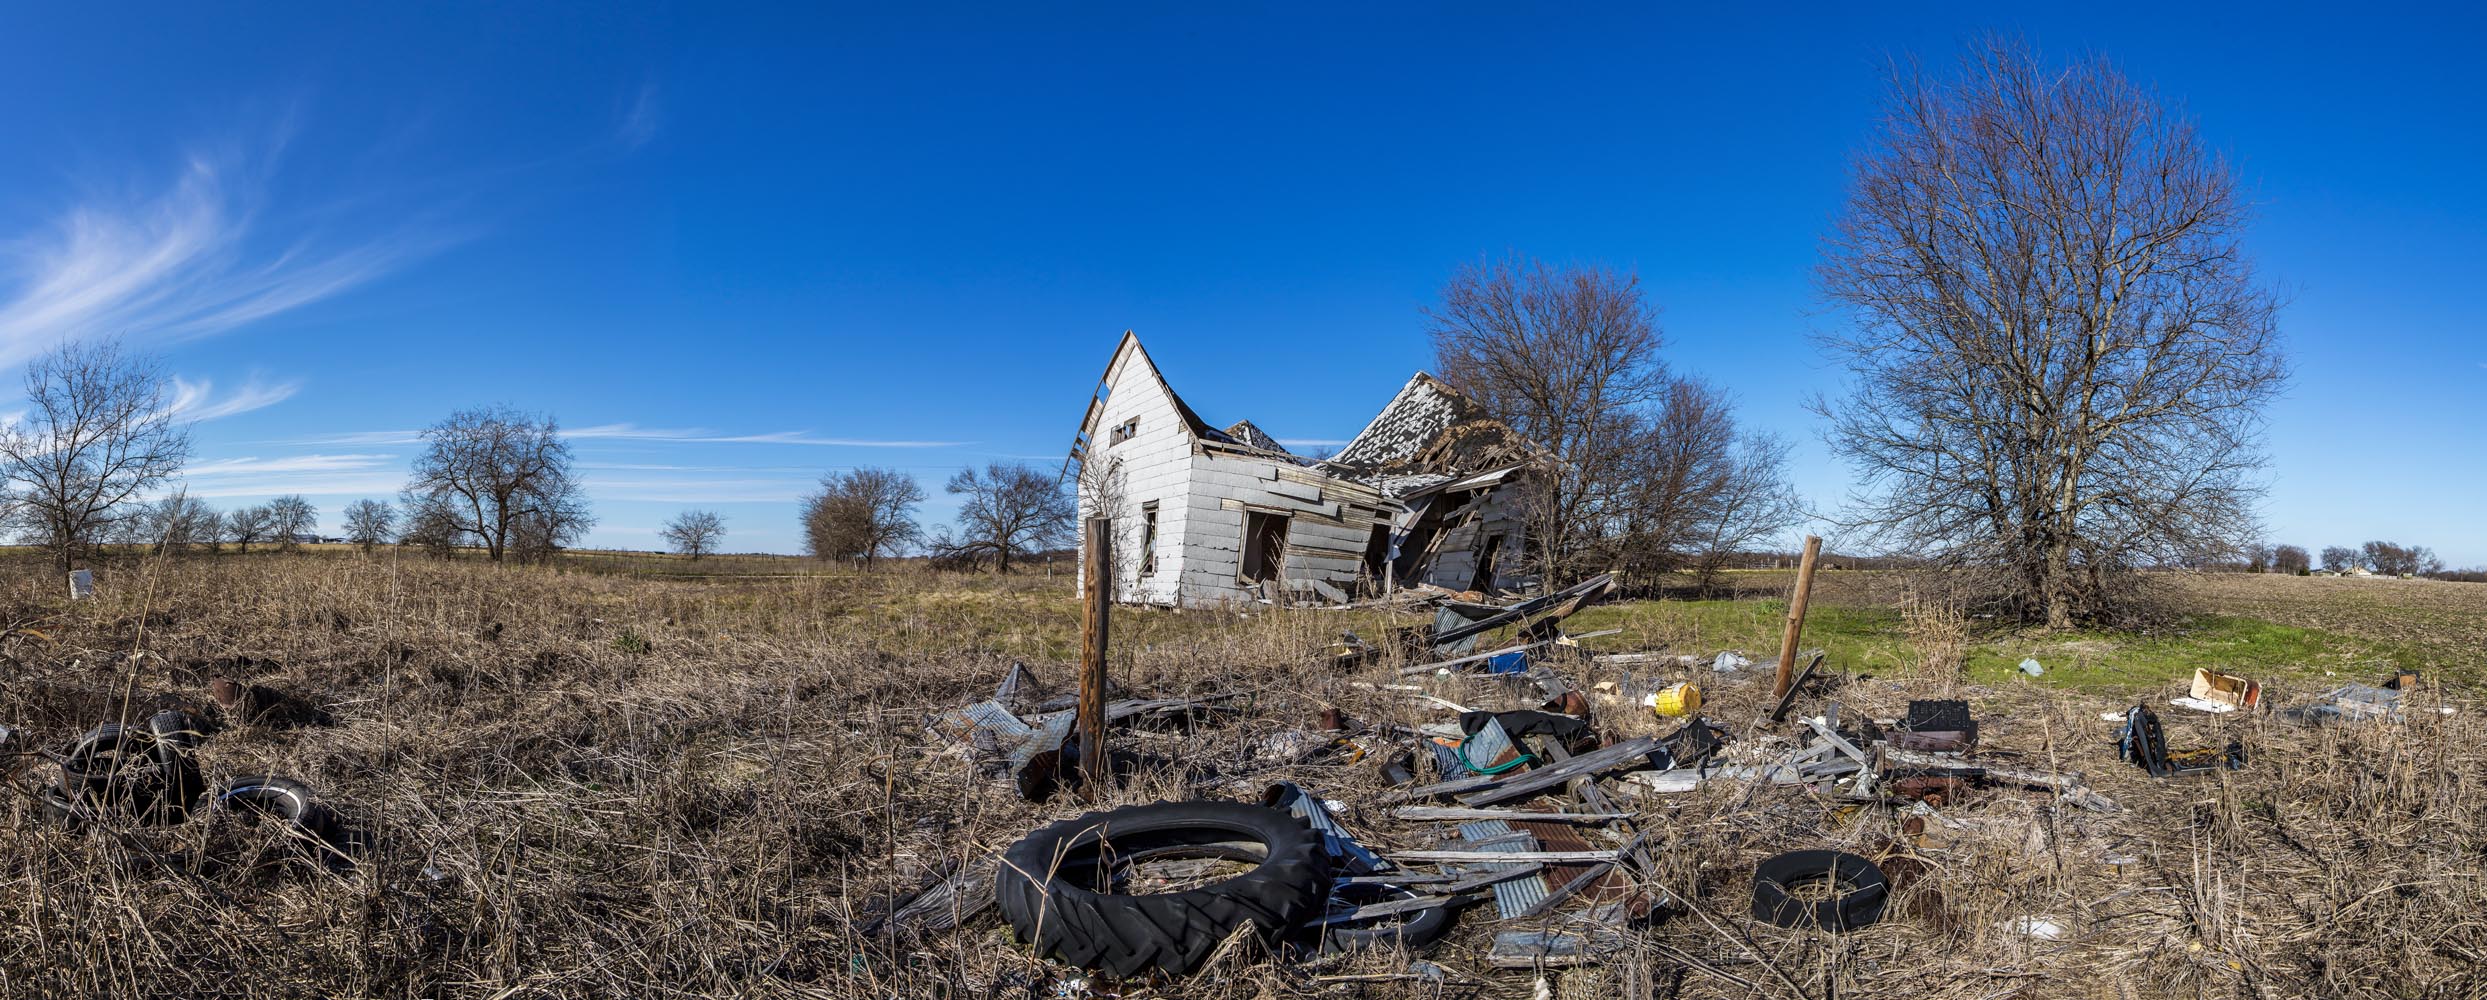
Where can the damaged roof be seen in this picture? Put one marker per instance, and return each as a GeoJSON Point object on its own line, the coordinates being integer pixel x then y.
{"type": "Point", "coordinates": [1428, 435]}
{"type": "Point", "coordinates": [1252, 436]}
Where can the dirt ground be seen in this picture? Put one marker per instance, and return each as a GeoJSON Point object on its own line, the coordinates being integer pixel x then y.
{"type": "Point", "coordinates": [581, 784]}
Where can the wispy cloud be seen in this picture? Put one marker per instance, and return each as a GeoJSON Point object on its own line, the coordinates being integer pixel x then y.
{"type": "Point", "coordinates": [634, 432]}
{"type": "Point", "coordinates": [197, 400]}
{"type": "Point", "coordinates": [293, 463]}
{"type": "Point", "coordinates": [198, 257]}
{"type": "Point", "coordinates": [362, 438]}
{"type": "Point", "coordinates": [641, 121]}
{"type": "Point", "coordinates": [1311, 443]}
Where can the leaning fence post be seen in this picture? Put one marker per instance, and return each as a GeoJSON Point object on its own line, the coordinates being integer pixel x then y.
{"type": "Point", "coordinates": [1096, 583]}
{"type": "Point", "coordinates": [1796, 616]}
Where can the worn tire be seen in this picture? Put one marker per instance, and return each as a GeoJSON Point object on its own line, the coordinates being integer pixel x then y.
{"type": "Point", "coordinates": [1862, 890]}
{"type": "Point", "coordinates": [1411, 932]}
{"type": "Point", "coordinates": [289, 802]}
{"type": "Point", "coordinates": [1039, 887]}
{"type": "Point", "coordinates": [115, 768]}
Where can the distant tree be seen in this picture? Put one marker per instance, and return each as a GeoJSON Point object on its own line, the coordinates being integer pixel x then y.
{"type": "Point", "coordinates": [2258, 557]}
{"type": "Point", "coordinates": [2060, 351]}
{"type": "Point", "coordinates": [98, 434]}
{"type": "Point", "coordinates": [367, 522]}
{"type": "Point", "coordinates": [1009, 510]}
{"type": "Point", "coordinates": [695, 533]}
{"type": "Point", "coordinates": [212, 527]}
{"type": "Point", "coordinates": [1693, 490]}
{"type": "Point", "coordinates": [2391, 559]}
{"type": "Point", "coordinates": [245, 525]}
{"type": "Point", "coordinates": [504, 478]}
{"type": "Point", "coordinates": [864, 513]}
{"type": "Point", "coordinates": [290, 518]}
{"type": "Point", "coordinates": [2341, 560]}
{"type": "Point", "coordinates": [174, 524]}
{"type": "Point", "coordinates": [2292, 560]}
{"type": "Point", "coordinates": [432, 528]}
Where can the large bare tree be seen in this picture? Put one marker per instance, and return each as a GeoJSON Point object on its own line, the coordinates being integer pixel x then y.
{"type": "Point", "coordinates": [2059, 353]}
{"type": "Point", "coordinates": [290, 518]}
{"type": "Point", "coordinates": [863, 513]}
{"type": "Point", "coordinates": [98, 435]}
{"type": "Point", "coordinates": [1010, 510]}
{"type": "Point", "coordinates": [694, 533]}
{"type": "Point", "coordinates": [502, 477]}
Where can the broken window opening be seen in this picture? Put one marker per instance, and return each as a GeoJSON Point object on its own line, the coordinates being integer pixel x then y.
{"type": "Point", "coordinates": [1265, 547]}
{"type": "Point", "coordinates": [1124, 431]}
{"type": "Point", "coordinates": [1148, 538]}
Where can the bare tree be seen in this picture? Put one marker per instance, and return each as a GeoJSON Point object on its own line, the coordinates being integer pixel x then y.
{"type": "Point", "coordinates": [504, 477]}
{"type": "Point", "coordinates": [1563, 356]}
{"type": "Point", "coordinates": [245, 525]}
{"type": "Point", "coordinates": [174, 524]}
{"type": "Point", "coordinates": [2340, 559]}
{"type": "Point", "coordinates": [1009, 510]}
{"type": "Point", "coordinates": [863, 513]}
{"type": "Point", "coordinates": [2060, 354]}
{"type": "Point", "coordinates": [2392, 559]}
{"type": "Point", "coordinates": [432, 527]}
{"type": "Point", "coordinates": [98, 435]}
{"type": "Point", "coordinates": [290, 518]}
{"type": "Point", "coordinates": [367, 522]}
{"type": "Point", "coordinates": [1692, 489]}
{"type": "Point", "coordinates": [694, 533]}
{"type": "Point", "coordinates": [2291, 559]}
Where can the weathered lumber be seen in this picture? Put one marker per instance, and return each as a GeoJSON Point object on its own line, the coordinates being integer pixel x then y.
{"type": "Point", "coordinates": [1451, 813]}
{"type": "Point", "coordinates": [1371, 911]}
{"type": "Point", "coordinates": [1539, 779]}
{"type": "Point", "coordinates": [1796, 616]}
{"type": "Point", "coordinates": [1491, 857]}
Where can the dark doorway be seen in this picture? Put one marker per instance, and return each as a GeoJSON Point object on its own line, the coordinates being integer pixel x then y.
{"type": "Point", "coordinates": [1377, 560]}
{"type": "Point", "coordinates": [1265, 547]}
{"type": "Point", "coordinates": [1483, 581]}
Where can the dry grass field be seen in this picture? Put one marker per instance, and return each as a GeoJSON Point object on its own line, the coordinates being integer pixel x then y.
{"type": "Point", "coordinates": [589, 782]}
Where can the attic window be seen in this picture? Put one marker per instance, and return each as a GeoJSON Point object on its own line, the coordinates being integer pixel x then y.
{"type": "Point", "coordinates": [1123, 431]}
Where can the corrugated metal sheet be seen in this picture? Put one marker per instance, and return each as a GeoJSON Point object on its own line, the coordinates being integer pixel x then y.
{"type": "Point", "coordinates": [1057, 729]}
{"type": "Point", "coordinates": [1516, 896]}
{"type": "Point", "coordinates": [1308, 807]}
{"type": "Point", "coordinates": [985, 725]}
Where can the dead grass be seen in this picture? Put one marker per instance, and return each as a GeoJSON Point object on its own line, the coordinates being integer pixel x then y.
{"type": "Point", "coordinates": [559, 814]}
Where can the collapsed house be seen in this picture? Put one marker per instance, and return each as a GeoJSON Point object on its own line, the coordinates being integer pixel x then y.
{"type": "Point", "coordinates": [1426, 494]}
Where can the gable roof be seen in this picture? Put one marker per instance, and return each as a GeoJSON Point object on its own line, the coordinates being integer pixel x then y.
{"type": "Point", "coordinates": [1252, 436]}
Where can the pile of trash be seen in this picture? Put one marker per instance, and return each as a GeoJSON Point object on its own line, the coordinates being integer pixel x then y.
{"type": "Point", "coordinates": [1541, 814]}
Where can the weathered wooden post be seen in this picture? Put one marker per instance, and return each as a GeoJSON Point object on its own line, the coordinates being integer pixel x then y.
{"type": "Point", "coordinates": [1796, 616]}
{"type": "Point", "coordinates": [1097, 586]}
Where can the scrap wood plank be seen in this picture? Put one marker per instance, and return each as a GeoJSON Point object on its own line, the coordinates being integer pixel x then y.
{"type": "Point", "coordinates": [1427, 668]}
{"type": "Point", "coordinates": [1813, 661]}
{"type": "Point", "coordinates": [944, 904]}
{"type": "Point", "coordinates": [2071, 785]}
{"type": "Point", "coordinates": [1545, 777]}
{"type": "Point", "coordinates": [1446, 813]}
{"type": "Point", "coordinates": [1492, 857]}
{"type": "Point", "coordinates": [1448, 884]}
{"type": "Point", "coordinates": [1538, 781]}
{"type": "Point", "coordinates": [1371, 911]}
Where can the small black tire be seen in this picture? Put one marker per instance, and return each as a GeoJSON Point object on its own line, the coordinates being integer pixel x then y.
{"type": "Point", "coordinates": [1860, 890]}
{"type": "Point", "coordinates": [1409, 931]}
{"type": "Point", "coordinates": [144, 777]}
{"type": "Point", "coordinates": [292, 803]}
{"type": "Point", "coordinates": [1039, 886]}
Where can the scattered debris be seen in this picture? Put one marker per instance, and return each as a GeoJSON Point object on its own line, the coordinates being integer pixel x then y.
{"type": "Point", "coordinates": [2143, 743]}
{"type": "Point", "coordinates": [1729, 662]}
{"type": "Point", "coordinates": [1676, 700]}
{"type": "Point", "coordinates": [2217, 692]}
{"type": "Point", "coordinates": [81, 584]}
{"type": "Point", "coordinates": [2031, 667]}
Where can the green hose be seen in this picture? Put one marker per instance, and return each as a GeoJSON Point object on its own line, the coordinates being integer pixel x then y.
{"type": "Point", "coordinates": [1462, 751]}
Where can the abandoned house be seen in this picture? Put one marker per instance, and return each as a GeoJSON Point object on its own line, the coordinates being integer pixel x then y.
{"type": "Point", "coordinates": [1425, 494]}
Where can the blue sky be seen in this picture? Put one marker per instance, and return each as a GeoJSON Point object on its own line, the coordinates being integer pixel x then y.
{"type": "Point", "coordinates": [731, 252]}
